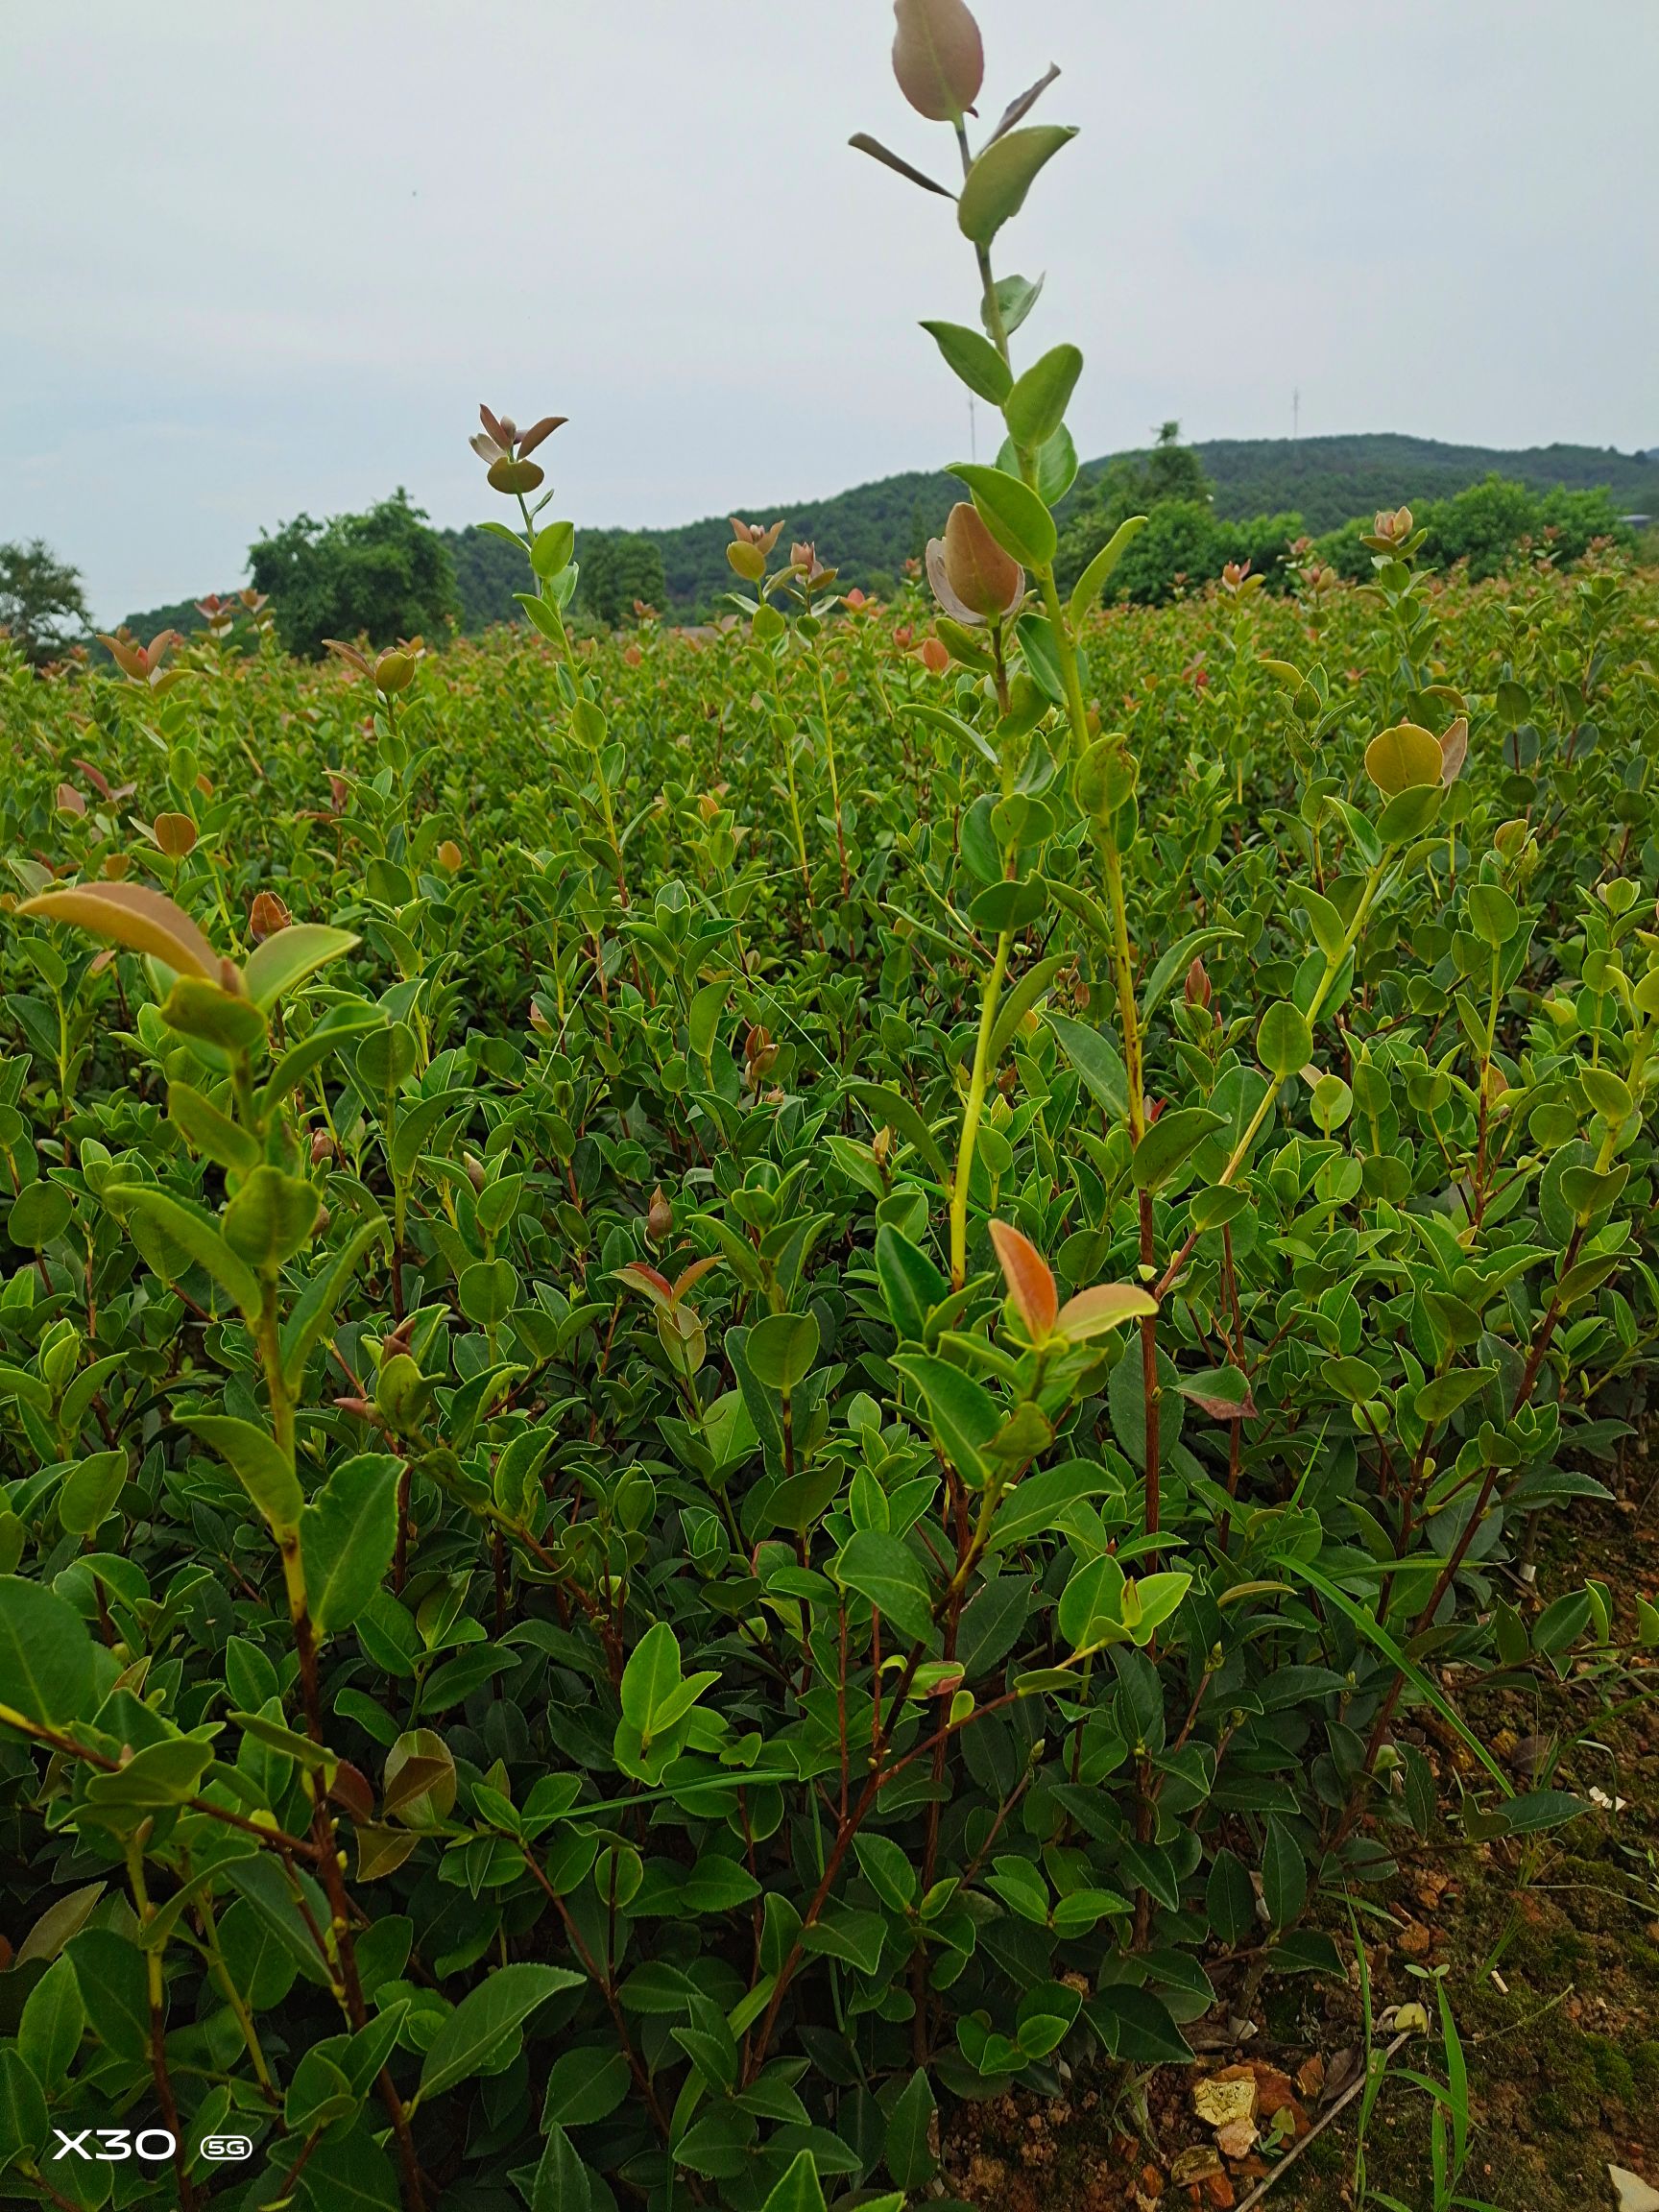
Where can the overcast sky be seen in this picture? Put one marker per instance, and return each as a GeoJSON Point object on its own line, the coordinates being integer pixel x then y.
{"type": "Point", "coordinates": [260, 260]}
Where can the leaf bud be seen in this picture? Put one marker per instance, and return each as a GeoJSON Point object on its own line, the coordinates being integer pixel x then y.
{"type": "Point", "coordinates": [938, 57]}
{"type": "Point", "coordinates": [402, 1391]}
{"type": "Point", "coordinates": [659, 1217]}
{"type": "Point", "coordinates": [266, 916]}
{"type": "Point", "coordinates": [973, 578]}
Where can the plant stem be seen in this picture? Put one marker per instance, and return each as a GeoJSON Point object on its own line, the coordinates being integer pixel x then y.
{"type": "Point", "coordinates": [974, 1110]}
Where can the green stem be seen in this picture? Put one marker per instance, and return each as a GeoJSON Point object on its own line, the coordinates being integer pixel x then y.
{"type": "Point", "coordinates": [834, 785]}
{"type": "Point", "coordinates": [974, 1111]}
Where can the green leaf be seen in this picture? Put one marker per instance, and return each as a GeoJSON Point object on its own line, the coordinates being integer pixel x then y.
{"type": "Point", "coordinates": [337, 1028]}
{"type": "Point", "coordinates": [553, 549]}
{"type": "Point", "coordinates": [561, 2183]}
{"type": "Point", "coordinates": [350, 2172]}
{"type": "Point", "coordinates": [885, 1570]}
{"type": "Point", "coordinates": [1535, 1809]}
{"type": "Point", "coordinates": [1008, 905]}
{"type": "Point", "coordinates": [315, 1308]}
{"type": "Point", "coordinates": [347, 1535]}
{"type": "Point", "coordinates": [23, 2117]}
{"type": "Point", "coordinates": [780, 1350]}
{"type": "Point", "coordinates": [890, 1108]}
{"type": "Point", "coordinates": [199, 1239]}
{"type": "Point", "coordinates": [1037, 1501]}
{"type": "Point", "coordinates": [206, 1129]}
{"type": "Point", "coordinates": [887, 1868]}
{"type": "Point", "coordinates": [1170, 1141]}
{"type": "Point", "coordinates": [799, 2190]}
{"type": "Point", "coordinates": [964, 1415]}
{"type": "Point", "coordinates": [89, 1492]}
{"type": "Point", "coordinates": [1092, 1602]}
{"type": "Point", "coordinates": [39, 1216]}
{"type": "Point", "coordinates": [1217, 1390]}
{"type": "Point", "coordinates": [1037, 643]}
{"type": "Point", "coordinates": [46, 1655]}
{"type": "Point", "coordinates": [1283, 1040]}
{"type": "Point", "coordinates": [1330, 931]}
{"type": "Point", "coordinates": [1495, 917]}
{"type": "Point", "coordinates": [257, 1462]}
{"type": "Point", "coordinates": [651, 1676]}
{"type": "Point", "coordinates": [1440, 1398]}
{"type": "Point", "coordinates": [485, 2032]}
{"type": "Point", "coordinates": [1097, 1060]}
{"type": "Point", "coordinates": [995, 188]}
{"type": "Point", "coordinates": [584, 2085]}
{"type": "Point", "coordinates": [1135, 2024]}
{"type": "Point", "coordinates": [53, 2023]}
{"type": "Point", "coordinates": [1230, 1898]}
{"type": "Point", "coordinates": [1021, 999]}
{"type": "Point", "coordinates": [1036, 407]}
{"type": "Point", "coordinates": [272, 1216]}
{"type": "Point", "coordinates": [1012, 512]}
{"type": "Point", "coordinates": [1098, 574]}
{"type": "Point", "coordinates": [865, 144]}
{"type": "Point", "coordinates": [973, 359]}
{"type": "Point", "coordinates": [954, 726]}
{"type": "Point", "coordinates": [703, 1021]}
{"type": "Point", "coordinates": [287, 958]}
{"type": "Point", "coordinates": [910, 2117]}
{"type": "Point", "coordinates": [165, 1773]}
{"type": "Point", "coordinates": [1283, 1874]}
{"type": "Point", "coordinates": [264, 1887]}
{"type": "Point", "coordinates": [543, 616]}
{"type": "Point", "coordinates": [1147, 1604]}
{"type": "Point", "coordinates": [487, 1292]}
{"type": "Point", "coordinates": [1404, 759]}
{"type": "Point", "coordinates": [417, 1126]}
{"type": "Point", "coordinates": [911, 1284]}
{"type": "Point", "coordinates": [221, 1019]}
{"type": "Point", "coordinates": [114, 1990]}
{"type": "Point", "coordinates": [654, 1696]}
{"type": "Point", "coordinates": [1177, 960]}
{"type": "Point", "coordinates": [1014, 296]}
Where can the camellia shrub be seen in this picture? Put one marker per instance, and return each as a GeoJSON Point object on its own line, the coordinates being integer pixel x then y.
{"type": "Point", "coordinates": [753, 1380]}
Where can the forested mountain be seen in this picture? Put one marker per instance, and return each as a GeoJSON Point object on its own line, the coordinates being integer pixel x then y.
{"type": "Point", "coordinates": [1329, 480]}
{"type": "Point", "coordinates": [869, 530]}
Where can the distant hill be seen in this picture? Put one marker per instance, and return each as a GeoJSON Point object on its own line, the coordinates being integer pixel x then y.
{"type": "Point", "coordinates": [869, 531]}
{"type": "Point", "coordinates": [1329, 480]}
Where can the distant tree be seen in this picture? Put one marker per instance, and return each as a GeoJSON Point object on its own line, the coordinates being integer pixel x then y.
{"type": "Point", "coordinates": [1168, 474]}
{"type": "Point", "coordinates": [42, 607]}
{"type": "Point", "coordinates": [382, 575]}
{"type": "Point", "coordinates": [1491, 525]}
{"type": "Point", "coordinates": [487, 572]}
{"type": "Point", "coordinates": [618, 567]}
